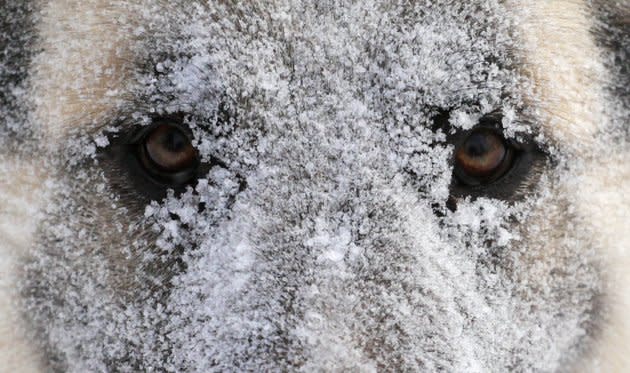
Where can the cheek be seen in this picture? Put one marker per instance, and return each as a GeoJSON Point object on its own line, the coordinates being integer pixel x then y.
{"type": "Point", "coordinates": [556, 273]}
{"type": "Point", "coordinates": [110, 243]}
{"type": "Point", "coordinates": [20, 201]}
{"type": "Point", "coordinates": [601, 199]}
{"type": "Point", "coordinates": [21, 197]}
{"type": "Point", "coordinates": [557, 258]}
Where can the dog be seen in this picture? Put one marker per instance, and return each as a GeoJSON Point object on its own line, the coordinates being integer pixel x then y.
{"type": "Point", "coordinates": [318, 186]}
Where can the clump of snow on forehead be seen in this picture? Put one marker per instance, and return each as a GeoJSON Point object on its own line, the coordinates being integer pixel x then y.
{"type": "Point", "coordinates": [338, 253]}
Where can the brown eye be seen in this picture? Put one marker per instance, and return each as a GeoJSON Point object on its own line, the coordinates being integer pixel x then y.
{"type": "Point", "coordinates": [166, 152]}
{"type": "Point", "coordinates": [482, 157]}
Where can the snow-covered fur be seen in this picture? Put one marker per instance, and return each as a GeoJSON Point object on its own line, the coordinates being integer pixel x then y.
{"type": "Point", "coordinates": [325, 230]}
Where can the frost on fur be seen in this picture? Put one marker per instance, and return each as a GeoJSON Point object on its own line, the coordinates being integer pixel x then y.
{"type": "Point", "coordinates": [324, 238]}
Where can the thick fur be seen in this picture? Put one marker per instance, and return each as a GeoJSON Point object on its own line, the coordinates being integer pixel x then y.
{"type": "Point", "coordinates": [346, 270]}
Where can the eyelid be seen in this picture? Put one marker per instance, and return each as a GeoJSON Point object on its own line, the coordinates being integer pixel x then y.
{"type": "Point", "coordinates": [460, 137]}
{"type": "Point", "coordinates": [138, 134]}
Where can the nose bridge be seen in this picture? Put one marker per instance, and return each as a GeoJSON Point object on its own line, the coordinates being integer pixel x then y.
{"type": "Point", "coordinates": [319, 250]}
{"type": "Point", "coordinates": [312, 205]}
{"type": "Point", "coordinates": [350, 258]}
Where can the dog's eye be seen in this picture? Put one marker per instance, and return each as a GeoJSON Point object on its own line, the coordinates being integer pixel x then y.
{"type": "Point", "coordinates": [166, 153]}
{"type": "Point", "coordinates": [168, 149]}
{"type": "Point", "coordinates": [482, 157]}
{"type": "Point", "coordinates": [148, 161]}
{"type": "Point", "coordinates": [487, 164]}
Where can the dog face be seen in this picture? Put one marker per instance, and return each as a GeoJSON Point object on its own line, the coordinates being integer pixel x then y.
{"type": "Point", "coordinates": [199, 186]}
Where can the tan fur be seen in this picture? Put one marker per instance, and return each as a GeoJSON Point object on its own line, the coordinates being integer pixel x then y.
{"type": "Point", "coordinates": [96, 64]}
{"type": "Point", "coordinates": [562, 58]}
{"type": "Point", "coordinates": [19, 187]}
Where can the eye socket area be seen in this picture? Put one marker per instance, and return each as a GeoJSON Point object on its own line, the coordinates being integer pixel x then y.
{"type": "Point", "coordinates": [166, 153]}
{"type": "Point", "coordinates": [483, 157]}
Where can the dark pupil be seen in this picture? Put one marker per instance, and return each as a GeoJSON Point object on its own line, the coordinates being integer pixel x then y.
{"type": "Point", "coordinates": [477, 145]}
{"type": "Point", "coordinates": [174, 141]}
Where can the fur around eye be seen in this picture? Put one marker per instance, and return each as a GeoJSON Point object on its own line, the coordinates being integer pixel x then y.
{"type": "Point", "coordinates": [147, 161]}
{"type": "Point", "coordinates": [487, 164]}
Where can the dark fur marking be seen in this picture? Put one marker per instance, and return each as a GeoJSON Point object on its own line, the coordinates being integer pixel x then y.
{"type": "Point", "coordinates": [612, 33]}
{"type": "Point", "coordinates": [17, 36]}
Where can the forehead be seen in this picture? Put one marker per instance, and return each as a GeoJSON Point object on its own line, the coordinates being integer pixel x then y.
{"type": "Point", "coordinates": [377, 60]}
{"type": "Point", "coordinates": [329, 56]}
